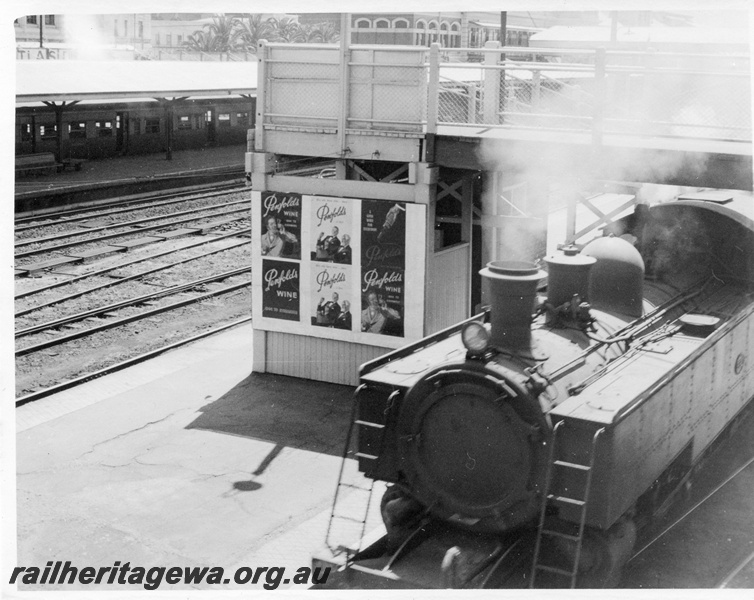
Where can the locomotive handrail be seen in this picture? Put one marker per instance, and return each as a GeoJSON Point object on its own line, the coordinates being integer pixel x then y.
{"type": "Point", "coordinates": [632, 329]}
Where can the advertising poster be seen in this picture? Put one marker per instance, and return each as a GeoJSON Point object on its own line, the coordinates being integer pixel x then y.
{"type": "Point", "coordinates": [383, 234]}
{"type": "Point", "coordinates": [382, 301]}
{"type": "Point", "coordinates": [281, 225]}
{"type": "Point", "coordinates": [383, 264]}
{"type": "Point", "coordinates": [331, 230]}
{"type": "Point", "coordinates": [331, 296]}
{"type": "Point", "coordinates": [281, 290]}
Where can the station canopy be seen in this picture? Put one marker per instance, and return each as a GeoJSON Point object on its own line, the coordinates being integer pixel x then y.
{"type": "Point", "coordinates": [69, 80]}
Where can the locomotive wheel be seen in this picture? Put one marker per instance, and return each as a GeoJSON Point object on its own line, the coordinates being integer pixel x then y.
{"type": "Point", "coordinates": [399, 513]}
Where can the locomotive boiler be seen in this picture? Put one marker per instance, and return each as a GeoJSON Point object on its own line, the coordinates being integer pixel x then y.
{"type": "Point", "coordinates": [527, 445]}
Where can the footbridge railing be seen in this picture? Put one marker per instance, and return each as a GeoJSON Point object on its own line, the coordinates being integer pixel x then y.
{"type": "Point", "coordinates": [408, 91]}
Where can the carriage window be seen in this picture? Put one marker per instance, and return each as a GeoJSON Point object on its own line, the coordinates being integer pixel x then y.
{"type": "Point", "coordinates": [32, 20]}
{"type": "Point", "coordinates": [104, 128]}
{"type": "Point", "coordinates": [25, 132]}
{"type": "Point", "coordinates": [77, 130]}
{"type": "Point", "coordinates": [184, 122]}
{"type": "Point", "coordinates": [223, 120]}
{"type": "Point", "coordinates": [49, 19]}
{"type": "Point", "coordinates": [242, 119]}
{"type": "Point", "coordinates": [48, 131]}
{"type": "Point", "coordinates": [151, 126]}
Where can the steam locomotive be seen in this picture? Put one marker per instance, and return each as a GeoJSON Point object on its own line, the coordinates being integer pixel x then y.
{"type": "Point", "coordinates": [525, 447]}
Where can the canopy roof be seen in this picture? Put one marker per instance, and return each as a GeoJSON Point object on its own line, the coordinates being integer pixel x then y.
{"type": "Point", "coordinates": [68, 80]}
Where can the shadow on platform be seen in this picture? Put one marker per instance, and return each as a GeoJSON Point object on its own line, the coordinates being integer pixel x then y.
{"type": "Point", "coordinates": [286, 411]}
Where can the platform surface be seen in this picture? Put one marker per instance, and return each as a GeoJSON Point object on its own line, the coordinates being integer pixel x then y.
{"type": "Point", "coordinates": [142, 166]}
{"type": "Point", "coordinates": [188, 459]}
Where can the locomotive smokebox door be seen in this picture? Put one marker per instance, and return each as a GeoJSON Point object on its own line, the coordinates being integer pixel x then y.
{"type": "Point", "coordinates": [467, 452]}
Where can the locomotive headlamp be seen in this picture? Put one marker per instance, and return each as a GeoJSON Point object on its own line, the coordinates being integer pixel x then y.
{"type": "Point", "coordinates": [476, 338]}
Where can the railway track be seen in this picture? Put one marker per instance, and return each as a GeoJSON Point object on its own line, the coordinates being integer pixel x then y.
{"type": "Point", "coordinates": [92, 317]}
{"type": "Point", "coordinates": [102, 237]}
{"type": "Point", "coordinates": [98, 209]}
{"type": "Point", "coordinates": [110, 310]}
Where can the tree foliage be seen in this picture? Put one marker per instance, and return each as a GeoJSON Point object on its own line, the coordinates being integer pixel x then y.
{"type": "Point", "coordinates": [243, 33]}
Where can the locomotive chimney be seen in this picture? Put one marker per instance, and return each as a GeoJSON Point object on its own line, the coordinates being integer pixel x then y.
{"type": "Point", "coordinates": [568, 276]}
{"type": "Point", "coordinates": [512, 287]}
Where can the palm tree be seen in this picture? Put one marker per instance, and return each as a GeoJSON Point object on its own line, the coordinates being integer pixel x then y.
{"type": "Point", "coordinates": [225, 31]}
{"type": "Point", "coordinates": [201, 41]}
{"type": "Point", "coordinates": [251, 29]}
{"type": "Point", "coordinates": [322, 33]}
{"type": "Point", "coordinates": [286, 30]}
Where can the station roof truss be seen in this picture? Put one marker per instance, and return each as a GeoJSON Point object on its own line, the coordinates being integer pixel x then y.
{"type": "Point", "coordinates": [72, 80]}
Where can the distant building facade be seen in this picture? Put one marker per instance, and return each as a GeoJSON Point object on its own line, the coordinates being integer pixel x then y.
{"type": "Point", "coordinates": [74, 36]}
{"type": "Point", "coordinates": [449, 29]}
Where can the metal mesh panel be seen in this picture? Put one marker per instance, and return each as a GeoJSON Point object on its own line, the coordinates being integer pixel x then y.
{"type": "Point", "coordinates": [303, 87]}
{"type": "Point", "coordinates": [460, 94]}
{"type": "Point", "coordinates": [387, 91]}
{"type": "Point", "coordinates": [706, 97]}
{"type": "Point", "coordinates": [645, 94]}
{"type": "Point", "coordinates": [685, 105]}
{"type": "Point", "coordinates": [288, 104]}
{"type": "Point", "coordinates": [549, 100]}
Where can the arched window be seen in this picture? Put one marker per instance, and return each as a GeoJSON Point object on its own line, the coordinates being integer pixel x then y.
{"type": "Point", "coordinates": [363, 24]}
{"type": "Point", "coordinates": [382, 24]}
{"type": "Point", "coordinates": [455, 38]}
{"type": "Point", "coordinates": [400, 24]}
{"type": "Point", "coordinates": [421, 33]}
{"type": "Point", "coordinates": [433, 31]}
{"type": "Point", "coordinates": [444, 38]}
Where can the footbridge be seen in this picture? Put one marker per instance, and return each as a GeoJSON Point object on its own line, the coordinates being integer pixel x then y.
{"type": "Point", "coordinates": [653, 117]}
{"type": "Point", "coordinates": [475, 155]}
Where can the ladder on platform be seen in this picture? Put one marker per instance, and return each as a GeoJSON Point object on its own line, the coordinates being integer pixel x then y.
{"type": "Point", "coordinates": [543, 533]}
{"type": "Point", "coordinates": [343, 486]}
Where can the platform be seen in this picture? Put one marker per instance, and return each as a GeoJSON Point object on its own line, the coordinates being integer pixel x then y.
{"type": "Point", "coordinates": [188, 459]}
{"type": "Point", "coordinates": [129, 175]}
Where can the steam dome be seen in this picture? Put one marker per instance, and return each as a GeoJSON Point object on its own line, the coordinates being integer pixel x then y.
{"type": "Point", "coordinates": [617, 279]}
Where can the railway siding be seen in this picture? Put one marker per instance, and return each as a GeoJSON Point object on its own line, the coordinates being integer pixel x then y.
{"type": "Point", "coordinates": [76, 317]}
